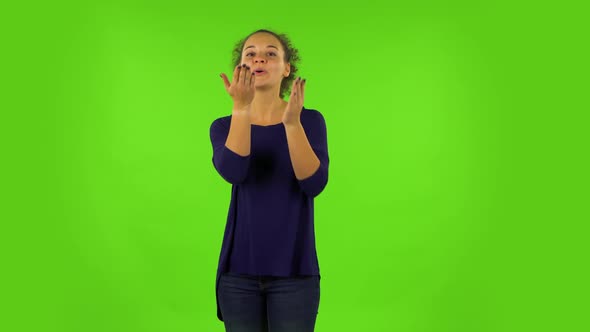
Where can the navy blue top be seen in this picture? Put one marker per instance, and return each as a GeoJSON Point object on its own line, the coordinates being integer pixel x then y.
{"type": "Point", "coordinates": [270, 222]}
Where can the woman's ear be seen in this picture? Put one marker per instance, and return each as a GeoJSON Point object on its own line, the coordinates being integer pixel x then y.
{"type": "Point", "coordinates": [288, 70]}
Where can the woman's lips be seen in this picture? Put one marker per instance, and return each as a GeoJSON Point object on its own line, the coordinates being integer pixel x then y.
{"type": "Point", "coordinates": [259, 73]}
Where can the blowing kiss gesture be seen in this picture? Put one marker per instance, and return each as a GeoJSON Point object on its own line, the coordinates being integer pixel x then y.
{"type": "Point", "coordinates": [292, 113]}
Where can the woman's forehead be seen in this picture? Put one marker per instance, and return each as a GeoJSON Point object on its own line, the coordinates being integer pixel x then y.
{"type": "Point", "coordinates": [262, 40]}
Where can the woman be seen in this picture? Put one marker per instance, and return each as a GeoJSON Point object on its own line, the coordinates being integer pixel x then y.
{"type": "Point", "coordinates": [275, 155]}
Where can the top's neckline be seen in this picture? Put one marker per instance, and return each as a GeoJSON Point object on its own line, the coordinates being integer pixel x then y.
{"type": "Point", "coordinates": [270, 125]}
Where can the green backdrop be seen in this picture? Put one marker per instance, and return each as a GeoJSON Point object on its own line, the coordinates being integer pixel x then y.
{"type": "Point", "coordinates": [458, 178]}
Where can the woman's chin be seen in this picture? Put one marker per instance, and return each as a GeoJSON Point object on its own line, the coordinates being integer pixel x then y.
{"type": "Point", "coordinates": [262, 85]}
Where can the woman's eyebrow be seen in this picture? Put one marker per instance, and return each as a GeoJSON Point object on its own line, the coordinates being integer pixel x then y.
{"type": "Point", "coordinates": [255, 46]}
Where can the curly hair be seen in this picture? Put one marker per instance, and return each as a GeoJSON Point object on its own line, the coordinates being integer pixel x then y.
{"type": "Point", "coordinates": [291, 56]}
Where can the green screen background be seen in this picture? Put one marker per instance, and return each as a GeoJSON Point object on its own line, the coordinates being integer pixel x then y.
{"type": "Point", "coordinates": [458, 178]}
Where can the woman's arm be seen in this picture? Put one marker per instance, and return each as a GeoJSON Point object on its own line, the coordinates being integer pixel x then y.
{"type": "Point", "coordinates": [231, 147]}
{"type": "Point", "coordinates": [303, 158]}
{"type": "Point", "coordinates": [308, 149]}
{"type": "Point", "coordinates": [238, 138]}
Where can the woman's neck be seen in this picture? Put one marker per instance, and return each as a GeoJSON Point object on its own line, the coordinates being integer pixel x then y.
{"type": "Point", "coordinates": [267, 107]}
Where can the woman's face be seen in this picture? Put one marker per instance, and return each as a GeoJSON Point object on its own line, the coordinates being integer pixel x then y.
{"type": "Point", "coordinates": [263, 51]}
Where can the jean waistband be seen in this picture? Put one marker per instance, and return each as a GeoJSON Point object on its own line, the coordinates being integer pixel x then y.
{"type": "Point", "coordinates": [266, 277]}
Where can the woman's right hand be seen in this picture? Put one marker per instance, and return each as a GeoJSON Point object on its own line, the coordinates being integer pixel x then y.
{"type": "Point", "coordinates": [241, 89]}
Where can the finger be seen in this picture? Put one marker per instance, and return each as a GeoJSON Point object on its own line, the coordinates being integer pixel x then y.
{"type": "Point", "coordinates": [294, 88]}
{"type": "Point", "coordinates": [293, 91]}
{"type": "Point", "coordinates": [237, 74]}
{"type": "Point", "coordinates": [302, 90]}
{"type": "Point", "coordinates": [248, 77]}
{"type": "Point", "coordinates": [252, 79]}
{"type": "Point", "coordinates": [244, 75]}
{"type": "Point", "coordinates": [225, 81]}
{"type": "Point", "coordinates": [299, 90]}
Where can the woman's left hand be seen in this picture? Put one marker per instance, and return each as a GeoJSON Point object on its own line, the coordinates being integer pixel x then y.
{"type": "Point", "coordinates": [292, 113]}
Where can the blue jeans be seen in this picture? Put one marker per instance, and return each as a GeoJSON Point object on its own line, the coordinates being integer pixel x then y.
{"type": "Point", "coordinates": [268, 304]}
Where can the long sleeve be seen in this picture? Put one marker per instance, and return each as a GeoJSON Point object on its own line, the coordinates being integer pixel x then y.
{"type": "Point", "coordinates": [230, 165]}
{"type": "Point", "coordinates": [316, 132]}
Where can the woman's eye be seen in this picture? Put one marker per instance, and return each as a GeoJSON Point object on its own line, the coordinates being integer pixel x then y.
{"type": "Point", "coordinates": [273, 53]}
